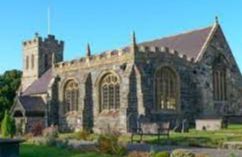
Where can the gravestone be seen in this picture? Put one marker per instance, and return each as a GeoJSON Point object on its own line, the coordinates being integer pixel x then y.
{"type": "Point", "coordinates": [209, 124]}
{"type": "Point", "coordinates": [9, 147]}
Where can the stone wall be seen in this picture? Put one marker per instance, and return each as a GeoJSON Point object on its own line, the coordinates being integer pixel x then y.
{"type": "Point", "coordinates": [204, 79]}
{"type": "Point", "coordinates": [42, 52]}
{"type": "Point", "coordinates": [88, 76]}
{"type": "Point", "coordinates": [148, 61]}
{"type": "Point", "coordinates": [136, 68]}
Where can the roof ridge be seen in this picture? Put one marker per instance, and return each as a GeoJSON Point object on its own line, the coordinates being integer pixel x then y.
{"type": "Point", "coordinates": [45, 74]}
{"type": "Point", "coordinates": [179, 34]}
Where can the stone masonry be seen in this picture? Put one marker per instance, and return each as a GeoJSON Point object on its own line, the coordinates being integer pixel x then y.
{"type": "Point", "coordinates": [191, 56]}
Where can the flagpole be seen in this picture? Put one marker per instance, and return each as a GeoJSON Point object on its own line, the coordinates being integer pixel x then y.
{"type": "Point", "coordinates": [48, 20]}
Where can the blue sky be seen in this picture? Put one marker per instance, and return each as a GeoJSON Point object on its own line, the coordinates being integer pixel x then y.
{"type": "Point", "coordinates": [107, 24]}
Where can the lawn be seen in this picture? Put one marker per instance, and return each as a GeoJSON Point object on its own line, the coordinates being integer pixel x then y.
{"type": "Point", "coordinates": [213, 139]}
{"type": "Point", "coordinates": [28, 150]}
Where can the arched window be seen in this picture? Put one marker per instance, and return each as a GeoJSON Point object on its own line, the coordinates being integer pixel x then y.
{"type": "Point", "coordinates": [166, 89]}
{"type": "Point", "coordinates": [71, 96]}
{"type": "Point", "coordinates": [109, 92]}
{"type": "Point", "coordinates": [219, 80]}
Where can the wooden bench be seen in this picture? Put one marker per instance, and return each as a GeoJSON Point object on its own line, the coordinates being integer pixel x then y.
{"type": "Point", "coordinates": [147, 128]}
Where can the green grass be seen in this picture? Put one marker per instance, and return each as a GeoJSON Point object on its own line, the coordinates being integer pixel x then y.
{"type": "Point", "coordinates": [211, 139]}
{"type": "Point", "coordinates": [27, 150]}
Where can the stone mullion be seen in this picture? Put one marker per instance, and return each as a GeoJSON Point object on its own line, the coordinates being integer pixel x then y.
{"type": "Point", "coordinates": [222, 86]}
{"type": "Point", "coordinates": [215, 85]}
{"type": "Point", "coordinates": [168, 89]}
{"type": "Point", "coordinates": [225, 87]}
{"type": "Point", "coordinates": [162, 92]}
{"type": "Point", "coordinates": [219, 86]}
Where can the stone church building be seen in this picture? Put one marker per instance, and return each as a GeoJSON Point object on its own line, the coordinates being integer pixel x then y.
{"type": "Point", "coordinates": [185, 76]}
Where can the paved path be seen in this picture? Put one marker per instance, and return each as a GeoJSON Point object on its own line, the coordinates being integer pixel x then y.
{"type": "Point", "coordinates": [208, 151]}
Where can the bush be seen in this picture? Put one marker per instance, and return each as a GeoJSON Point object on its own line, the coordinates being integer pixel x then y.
{"type": "Point", "coordinates": [201, 155]}
{"type": "Point", "coordinates": [108, 144]}
{"type": "Point", "coordinates": [42, 141]}
{"type": "Point", "coordinates": [37, 129]}
{"type": "Point", "coordinates": [139, 154]}
{"type": "Point", "coordinates": [8, 126]}
{"type": "Point", "coordinates": [82, 135]}
{"type": "Point", "coordinates": [182, 153]}
{"type": "Point", "coordinates": [161, 154]}
{"type": "Point", "coordinates": [51, 132]}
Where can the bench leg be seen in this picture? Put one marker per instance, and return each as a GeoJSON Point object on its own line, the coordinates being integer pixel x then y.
{"type": "Point", "coordinates": [159, 138]}
{"type": "Point", "coordinates": [132, 138]}
{"type": "Point", "coordinates": [141, 138]}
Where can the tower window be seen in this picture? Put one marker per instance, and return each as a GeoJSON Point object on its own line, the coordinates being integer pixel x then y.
{"type": "Point", "coordinates": [27, 62]}
{"type": "Point", "coordinates": [46, 61]}
{"type": "Point", "coordinates": [32, 61]}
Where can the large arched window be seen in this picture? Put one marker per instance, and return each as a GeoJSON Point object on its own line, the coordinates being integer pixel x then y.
{"type": "Point", "coordinates": [219, 80]}
{"type": "Point", "coordinates": [71, 96]}
{"type": "Point", "coordinates": [166, 87]}
{"type": "Point", "coordinates": [109, 92]}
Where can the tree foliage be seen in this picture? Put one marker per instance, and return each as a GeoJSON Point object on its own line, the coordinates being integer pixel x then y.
{"type": "Point", "coordinates": [8, 126]}
{"type": "Point", "coordinates": [9, 83]}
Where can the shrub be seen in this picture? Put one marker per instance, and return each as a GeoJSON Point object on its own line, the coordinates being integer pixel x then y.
{"type": "Point", "coordinates": [8, 126]}
{"type": "Point", "coordinates": [182, 153]}
{"type": "Point", "coordinates": [61, 143]}
{"type": "Point", "coordinates": [43, 141]}
{"type": "Point", "coordinates": [37, 129]}
{"type": "Point", "coordinates": [108, 143]}
{"type": "Point", "coordinates": [139, 154]}
{"type": "Point", "coordinates": [51, 132]}
{"type": "Point", "coordinates": [161, 154]}
{"type": "Point", "coordinates": [201, 155]}
{"type": "Point", "coordinates": [82, 135]}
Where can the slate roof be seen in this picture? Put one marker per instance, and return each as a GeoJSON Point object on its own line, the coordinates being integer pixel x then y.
{"type": "Point", "coordinates": [41, 85]}
{"type": "Point", "coordinates": [189, 43]}
{"type": "Point", "coordinates": [32, 104]}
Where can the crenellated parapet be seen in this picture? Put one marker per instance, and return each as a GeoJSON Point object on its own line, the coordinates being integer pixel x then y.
{"type": "Point", "coordinates": [160, 50]}
{"type": "Point", "coordinates": [39, 41]}
{"type": "Point", "coordinates": [118, 55]}
{"type": "Point", "coordinates": [107, 57]}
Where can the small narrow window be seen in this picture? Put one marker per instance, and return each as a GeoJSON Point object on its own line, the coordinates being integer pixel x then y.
{"type": "Point", "coordinates": [32, 61]}
{"type": "Point", "coordinates": [27, 62]}
{"type": "Point", "coordinates": [46, 61]}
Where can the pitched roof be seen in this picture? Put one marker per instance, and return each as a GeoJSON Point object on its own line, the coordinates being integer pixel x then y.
{"type": "Point", "coordinates": [32, 104]}
{"type": "Point", "coordinates": [189, 43]}
{"type": "Point", "coordinates": [40, 85]}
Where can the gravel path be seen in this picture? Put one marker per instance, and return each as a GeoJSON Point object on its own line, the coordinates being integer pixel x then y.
{"type": "Point", "coordinates": [208, 151]}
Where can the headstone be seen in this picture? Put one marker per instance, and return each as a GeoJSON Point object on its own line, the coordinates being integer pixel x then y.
{"type": "Point", "coordinates": [209, 124]}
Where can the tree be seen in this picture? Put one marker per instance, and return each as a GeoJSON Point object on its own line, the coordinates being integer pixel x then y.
{"type": "Point", "coordinates": [9, 83]}
{"type": "Point", "coordinates": [8, 126]}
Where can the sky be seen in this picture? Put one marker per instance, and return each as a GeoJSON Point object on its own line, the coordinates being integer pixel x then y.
{"type": "Point", "coordinates": [107, 24]}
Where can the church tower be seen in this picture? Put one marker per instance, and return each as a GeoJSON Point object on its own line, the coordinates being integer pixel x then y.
{"type": "Point", "coordinates": [38, 57]}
